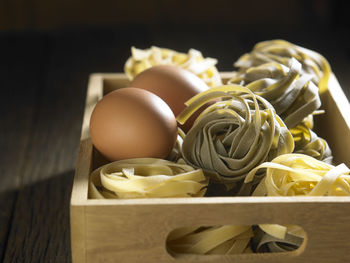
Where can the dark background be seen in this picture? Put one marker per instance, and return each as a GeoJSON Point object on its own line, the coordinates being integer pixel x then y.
{"type": "Point", "coordinates": [49, 48]}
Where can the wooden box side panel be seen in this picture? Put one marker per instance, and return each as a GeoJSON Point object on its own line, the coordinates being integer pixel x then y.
{"type": "Point", "coordinates": [137, 233]}
{"type": "Point", "coordinates": [78, 233]}
{"type": "Point", "coordinates": [334, 125]}
{"type": "Point", "coordinates": [82, 171]}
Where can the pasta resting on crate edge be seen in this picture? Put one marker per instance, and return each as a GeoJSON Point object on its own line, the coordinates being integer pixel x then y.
{"type": "Point", "coordinates": [193, 61]}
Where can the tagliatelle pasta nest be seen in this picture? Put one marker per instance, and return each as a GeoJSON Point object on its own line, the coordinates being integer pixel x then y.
{"type": "Point", "coordinates": [299, 174]}
{"type": "Point", "coordinates": [146, 177]}
{"type": "Point", "coordinates": [193, 61]}
{"type": "Point", "coordinates": [282, 52]}
{"type": "Point", "coordinates": [291, 92]}
{"type": "Point", "coordinates": [295, 175]}
{"type": "Point", "coordinates": [233, 136]}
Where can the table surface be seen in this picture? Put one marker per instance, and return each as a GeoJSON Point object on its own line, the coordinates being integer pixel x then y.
{"type": "Point", "coordinates": [43, 78]}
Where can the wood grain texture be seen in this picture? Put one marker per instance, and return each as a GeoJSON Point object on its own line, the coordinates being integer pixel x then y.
{"type": "Point", "coordinates": [18, 110]}
{"type": "Point", "coordinates": [137, 233]}
{"type": "Point", "coordinates": [39, 224]}
{"type": "Point", "coordinates": [337, 121]}
{"type": "Point", "coordinates": [39, 228]}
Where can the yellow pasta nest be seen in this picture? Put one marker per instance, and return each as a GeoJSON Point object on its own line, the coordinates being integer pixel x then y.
{"type": "Point", "coordinates": [233, 136]}
{"type": "Point", "coordinates": [146, 177]}
{"type": "Point", "coordinates": [193, 61]}
{"type": "Point", "coordinates": [299, 174]}
{"type": "Point", "coordinates": [295, 175]}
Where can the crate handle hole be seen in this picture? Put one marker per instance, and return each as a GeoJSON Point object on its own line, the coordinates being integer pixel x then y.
{"type": "Point", "coordinates": [236, 239]}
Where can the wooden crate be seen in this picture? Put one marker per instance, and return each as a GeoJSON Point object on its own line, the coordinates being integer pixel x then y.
{"type": "Point", "coordinates": [135, 230]}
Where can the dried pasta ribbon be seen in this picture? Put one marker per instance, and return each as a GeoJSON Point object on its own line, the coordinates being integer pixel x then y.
{"type": "Point", "coordinates": [282, 52]}
{"type": "Point", "coordinates": [220, 240]}
{"type": "Point", "coordinates": [291, 92]}
{"type": "Point", "coordinates": [264, 242]}
{"type": "Point", "coordinates": [291, 175]}
{"type": "Point", "coordinates": [233, 136]}
{"type": "Point", "coordinates": [193, 61]}
{"type": "Point", "coordinates": [145, 178]}
{"type": "Point", "coordinates": [309, 120]}
{"type": "Point", "coordinates": [277, 238]}
{"type": "Point", "coordinates": [298, 174]}
{"type": "Point", "coordinates": [307, 142]}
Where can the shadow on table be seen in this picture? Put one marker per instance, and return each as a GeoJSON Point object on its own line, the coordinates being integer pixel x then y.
{"type": "Point", "coordinates": [39, 230]}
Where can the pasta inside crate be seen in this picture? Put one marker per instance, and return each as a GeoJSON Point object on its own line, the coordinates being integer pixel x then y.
{"type": "Point", "coordinates": [332, 125]}
{"type": "Point", "coordinates": [136, 230]}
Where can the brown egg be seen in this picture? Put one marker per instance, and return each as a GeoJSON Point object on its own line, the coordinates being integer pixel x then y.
{"type": "Point", "coordinates": [132, 123]}
{"type": "Point", "coordinates": [173, 84]}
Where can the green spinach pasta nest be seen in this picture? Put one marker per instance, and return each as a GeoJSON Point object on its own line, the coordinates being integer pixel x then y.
{"type": "Point", "coordinates": [234, 135]}
{"type": "Point", "coordinates": [282, 52]}
{"type": "Point", "coordinates": [308, 142]}
{"type": "Point", "coordinates": [291, 92]}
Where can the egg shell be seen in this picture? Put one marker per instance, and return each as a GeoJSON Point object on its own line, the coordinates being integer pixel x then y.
{"type": "Point", "coordinates": [133, 123]}
{"type": "Point", "coordinates": [173, 84]}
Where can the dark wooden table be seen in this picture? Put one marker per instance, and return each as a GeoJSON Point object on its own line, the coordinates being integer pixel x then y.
{"type": "Point", "coordinates": [43, 80]}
